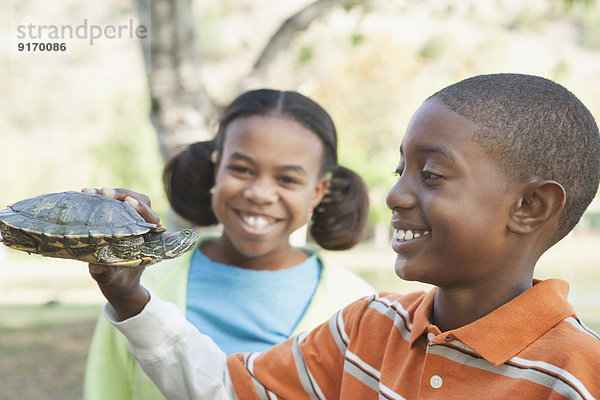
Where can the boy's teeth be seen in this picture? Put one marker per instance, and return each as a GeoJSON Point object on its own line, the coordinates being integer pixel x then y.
{"type": "Point", "coordinates": [405, 235]}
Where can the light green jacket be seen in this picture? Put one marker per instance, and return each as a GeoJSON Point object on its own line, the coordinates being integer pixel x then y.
{"type": "Point", "coordinates": [113, 374]}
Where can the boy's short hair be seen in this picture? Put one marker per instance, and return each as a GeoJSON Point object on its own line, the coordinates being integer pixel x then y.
{"type": "Point", "coordinates": [533, 127]}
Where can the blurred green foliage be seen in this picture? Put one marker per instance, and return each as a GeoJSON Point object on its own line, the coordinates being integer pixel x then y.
{"type": "Point", "coordinates": [305, 55]}
{"type": "Point", "coordinates": [72, 120]}
{"type": "Point", "coordinates": [432, 49]}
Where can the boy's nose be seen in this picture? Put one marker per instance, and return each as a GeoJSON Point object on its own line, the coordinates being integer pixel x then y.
{"type": "Point", "coordinates": [261, 192]}
{"type": "Point", "coordinates": [400, 196]}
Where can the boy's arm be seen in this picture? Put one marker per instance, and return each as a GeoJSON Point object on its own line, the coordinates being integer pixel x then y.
{"type": "Point", "coordinates": [181, 361]}
{"type": "Point", "coordinates": [186, 364]}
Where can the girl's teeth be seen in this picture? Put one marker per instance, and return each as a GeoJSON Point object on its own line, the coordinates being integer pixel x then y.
{"type": "Point", "coordinates": [408, 235]}
{"type": "Point", "coordinates": [256, 222]}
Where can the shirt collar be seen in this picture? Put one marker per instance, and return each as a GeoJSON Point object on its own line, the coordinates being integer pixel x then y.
{"type": "Point", "coordinates": [510, 328]}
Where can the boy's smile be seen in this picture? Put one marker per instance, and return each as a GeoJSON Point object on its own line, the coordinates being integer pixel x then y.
{"type": "Point", "coordinates": [450, 205]}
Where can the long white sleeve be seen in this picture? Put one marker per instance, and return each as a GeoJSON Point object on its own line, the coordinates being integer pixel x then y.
{"type": "Point", "coordinates": [181, 361]}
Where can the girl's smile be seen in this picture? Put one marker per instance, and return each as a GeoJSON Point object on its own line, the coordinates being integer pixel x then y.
{"type": "Point", "coordinates": [257, 224]}
{"type": "Point", "coordinates": [266, 180]}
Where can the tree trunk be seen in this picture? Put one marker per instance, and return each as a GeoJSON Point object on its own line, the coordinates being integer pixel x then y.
{"type": "Point", "coordinates": [181, 109]}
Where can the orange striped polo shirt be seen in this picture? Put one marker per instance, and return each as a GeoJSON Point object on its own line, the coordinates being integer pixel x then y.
{"type": "Point", "coordinates": [384, 347]}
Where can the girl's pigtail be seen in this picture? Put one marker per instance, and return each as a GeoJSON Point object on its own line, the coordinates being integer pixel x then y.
{"type": "Point", "coordinates": [339, 221]}
{"type": "Point", "coordinates": [188, 178]}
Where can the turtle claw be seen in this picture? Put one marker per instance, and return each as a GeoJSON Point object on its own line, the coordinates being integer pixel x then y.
{"type": "Point", "coordinates": [126, 264]}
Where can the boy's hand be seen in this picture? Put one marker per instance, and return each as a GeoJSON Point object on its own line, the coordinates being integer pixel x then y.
{"type": "Point", "coordinates": [122, 289]}
{"type": "Point", "coordinates": [139, 201]}
{"type": "Point", "coordinates": [121, 286]}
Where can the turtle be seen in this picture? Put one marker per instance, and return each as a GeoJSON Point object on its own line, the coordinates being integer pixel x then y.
{"type": "Point", "coordinates": [91, 228]}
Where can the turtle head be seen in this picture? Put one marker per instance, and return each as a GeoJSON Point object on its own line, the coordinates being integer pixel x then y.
{"type": "Point", "coordinates": [177, 243]}
{"type": "Point", "coordinates": [160, 245]}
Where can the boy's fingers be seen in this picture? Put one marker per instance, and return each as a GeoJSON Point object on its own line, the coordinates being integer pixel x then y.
{"type": "Point", "coordinates": [139, 201]}
{"type": "Point", "coordinates": [109, 192]}
{"type": "Point", "coordinates": [100, 273]}
{"type": "Point", "coordinates": [98, 269]}
{"type": "Point", "coordinates": [121, 194]}
{"type": "Point", "coordinates": [144, 210]}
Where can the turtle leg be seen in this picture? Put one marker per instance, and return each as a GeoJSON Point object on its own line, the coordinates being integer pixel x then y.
{"type": "Point", "coordinates": [106, 255]}
{"type": "Point", "coordinates": [126, 264]}
{"type": "Point", "coordinates": [114, 255]}
{"type": "Point", "coordinates": [22, 248]}
{"type": "Point", "coordinates": [19, 240]}
{"type": "Point", "coordinates": [140, 262]}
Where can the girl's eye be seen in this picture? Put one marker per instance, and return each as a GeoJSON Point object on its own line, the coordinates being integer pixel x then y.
{"type": "Point", "coordinates": [239, 169]}
{"type": "Point", "coordinates": [289, 180]}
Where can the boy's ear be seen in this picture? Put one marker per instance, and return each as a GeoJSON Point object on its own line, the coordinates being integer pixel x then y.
{"type": "Point", "coordinates": [540, 201]}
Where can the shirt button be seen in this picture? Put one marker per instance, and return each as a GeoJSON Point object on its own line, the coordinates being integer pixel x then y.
{"type": "Point", "coordinates": [436, 381]}
{"type": "Point", "coordinates": [430, 336]}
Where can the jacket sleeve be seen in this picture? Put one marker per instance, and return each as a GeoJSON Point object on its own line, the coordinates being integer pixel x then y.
{"type": "Point", "coordinates": [109, 370]}
{"type": "Point", "coordinates": [181, 361]}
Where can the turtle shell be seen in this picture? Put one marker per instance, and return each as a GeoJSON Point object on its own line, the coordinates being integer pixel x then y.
{"type": "Point", "coordinates": [75, 217]}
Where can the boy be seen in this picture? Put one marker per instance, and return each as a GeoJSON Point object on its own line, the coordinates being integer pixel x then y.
{"type": "Point", "coordinates": [494, 170]}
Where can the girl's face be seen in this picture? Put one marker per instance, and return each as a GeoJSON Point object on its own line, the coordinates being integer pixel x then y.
{"type": "Point", "coordinates": [266, 181]}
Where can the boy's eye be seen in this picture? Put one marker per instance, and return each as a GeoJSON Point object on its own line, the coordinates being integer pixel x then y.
{"type": "Point", "coordinates": [428, 176]}
{"type": "Point", "coordinates": [399, 170]}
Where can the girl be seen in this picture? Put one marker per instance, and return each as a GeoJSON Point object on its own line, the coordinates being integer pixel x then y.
{"type": "Point", "coordinates": [271, 167]}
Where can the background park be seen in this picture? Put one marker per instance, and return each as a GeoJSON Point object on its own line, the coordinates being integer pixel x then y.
{"type": "Point", "coordinates": [108, 112]}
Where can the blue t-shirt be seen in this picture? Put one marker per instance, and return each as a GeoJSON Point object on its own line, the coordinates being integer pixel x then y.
{"type": "Point", "coordinates": [246, 310]}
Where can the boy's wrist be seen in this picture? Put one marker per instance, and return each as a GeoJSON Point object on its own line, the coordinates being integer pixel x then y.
{"type": "Point", "coordinates": [131, 304]}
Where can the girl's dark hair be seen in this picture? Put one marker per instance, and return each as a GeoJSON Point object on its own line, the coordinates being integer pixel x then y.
{"type": "Point", "coordinates": [188, 178]}
{"type": "Point", "coordinates": [337, 223]}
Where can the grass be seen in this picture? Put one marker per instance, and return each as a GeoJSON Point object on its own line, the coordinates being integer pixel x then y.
{"type": "Point", "coordinates": [43, 350]}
